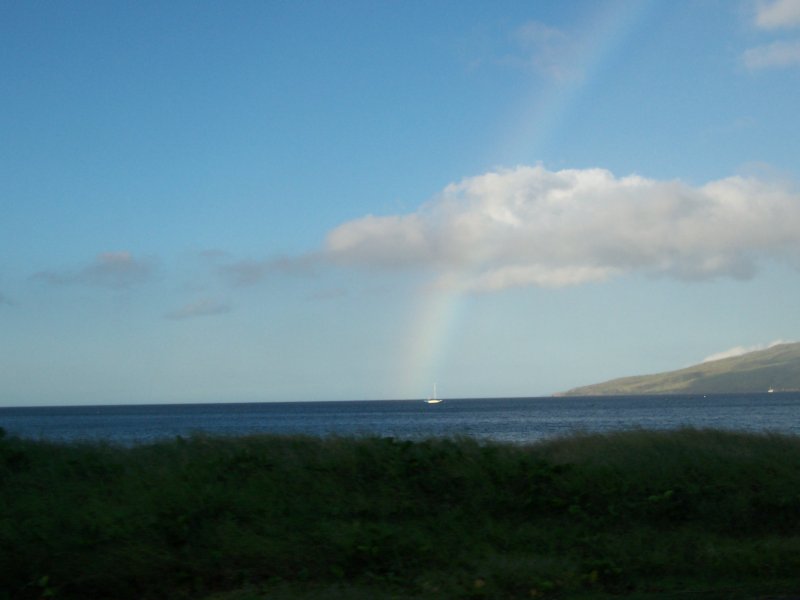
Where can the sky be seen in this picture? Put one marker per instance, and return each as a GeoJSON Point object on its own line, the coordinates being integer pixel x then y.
{"type": "Point", "coordinates": [301, 201]}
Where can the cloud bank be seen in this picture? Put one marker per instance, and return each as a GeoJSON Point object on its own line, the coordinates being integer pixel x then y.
{"type": "Point", "coordinates": [114, 270]}
{"type": "Point", "coordinates": [248, 272]}
{"type": "Point", "coordinates": [531, 226]}
{"type": "Point", "coordinates": [772, 15]}
{"type": "Point", "coordinates": [201, 308]}
{"type": "Point", "coordinates": [545, 49]}
{"type": "Point", "coordinates": [777, 14]}
{"type": "Point", "coordinates": [775, 55]}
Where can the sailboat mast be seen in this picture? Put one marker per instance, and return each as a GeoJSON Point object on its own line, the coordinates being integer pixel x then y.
{"type": "Point", "coordinates": [433, 399]}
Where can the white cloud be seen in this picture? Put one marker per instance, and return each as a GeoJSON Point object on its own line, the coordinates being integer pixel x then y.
{"type": "Point", "coordinates": [741, 350]}
{"type": "Point", "coordinates": [201, 308]}
{"type": "Point", "coordinates": [546, 50]}
{"type": "Point", "coordinates": [776, 14]}
{"type": "Point", "coordinates": [530, 226]}
{"type": "Point", "coordinates": [116, 270]}
{"type": "Point", "coordinates": [778, 54]}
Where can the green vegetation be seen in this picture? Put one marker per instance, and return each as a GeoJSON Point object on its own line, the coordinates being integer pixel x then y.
{"type": "Point", "coordinates": [776, 368]}
{"type": "Point", "coordinates": [681, 514]}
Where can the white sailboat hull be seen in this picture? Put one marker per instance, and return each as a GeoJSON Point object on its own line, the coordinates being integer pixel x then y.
{"type": "Point", "coordinates": [433, 399]}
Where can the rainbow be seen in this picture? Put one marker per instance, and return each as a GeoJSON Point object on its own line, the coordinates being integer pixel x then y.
{"type": "Point", "coordinates": [439, 310]}
{"type": "Point", "coordinates": [440, 306]}
{"type": "Point", "coordinates": [543, 112]}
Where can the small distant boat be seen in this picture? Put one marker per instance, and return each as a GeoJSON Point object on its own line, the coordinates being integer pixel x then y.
{"type": "Point", "coordinates": [771, 390]}
{"type": "Point", "coordinates": [433, 399]}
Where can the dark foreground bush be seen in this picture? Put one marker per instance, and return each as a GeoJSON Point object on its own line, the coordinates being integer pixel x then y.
{"type": "Point", "coordinates": [646, 514]}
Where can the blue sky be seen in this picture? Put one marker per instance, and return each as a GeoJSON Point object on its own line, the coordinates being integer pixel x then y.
{"type": "Point", "coordinates": [266, 201]}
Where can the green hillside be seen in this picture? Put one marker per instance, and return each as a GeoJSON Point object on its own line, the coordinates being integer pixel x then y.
{"type": "Point", "coordinates": [776, 368]}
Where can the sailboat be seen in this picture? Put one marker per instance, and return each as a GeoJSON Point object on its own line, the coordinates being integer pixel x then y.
{"type": "Point", "coordinates": [433, 399]}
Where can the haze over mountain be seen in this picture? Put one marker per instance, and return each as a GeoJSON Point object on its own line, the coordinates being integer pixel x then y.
{"type": "Point", "coordinates": [777, 368]}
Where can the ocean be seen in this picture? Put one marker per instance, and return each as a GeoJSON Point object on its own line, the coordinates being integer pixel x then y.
{"type": "Point", "coordinates": [515, 420]}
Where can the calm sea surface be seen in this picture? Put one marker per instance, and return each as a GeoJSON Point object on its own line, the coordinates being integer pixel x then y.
{"type": "Point", "coordinates": [516, 420]}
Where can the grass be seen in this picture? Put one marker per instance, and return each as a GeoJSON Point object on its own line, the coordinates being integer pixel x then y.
{"type": "Point", "coordinates": [678, 514]}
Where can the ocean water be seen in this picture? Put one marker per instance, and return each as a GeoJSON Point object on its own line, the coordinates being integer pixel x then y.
{"type": "Point", "coordinates": [517, 420]}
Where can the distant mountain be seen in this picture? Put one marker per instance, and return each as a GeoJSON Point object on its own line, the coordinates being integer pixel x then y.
{"type": "Point", "coordinates": [777, 368]}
